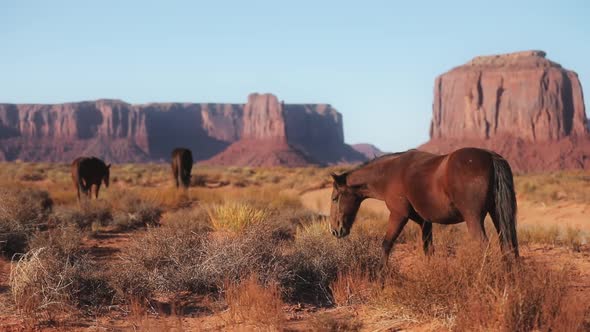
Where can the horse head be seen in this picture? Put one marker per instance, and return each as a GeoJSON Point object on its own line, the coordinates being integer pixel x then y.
{"type": "Point", "coordinates": [346, 201]}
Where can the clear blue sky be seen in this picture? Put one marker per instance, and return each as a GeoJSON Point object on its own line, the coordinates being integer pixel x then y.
{"type": "Point", "coordinates": [375, 61]}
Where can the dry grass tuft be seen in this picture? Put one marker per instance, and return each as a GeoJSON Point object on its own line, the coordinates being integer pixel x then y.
{"type": "Point", "coordinates": [254, 305]}
{"type": "Point", "coordinates": [22, 212]}
{"type": "Point", "coordinates": [131, 211]}
{"type": "Point", "coordinates": [55, 277]}
{"type": "Point", "coordinates": [90, 215]}
{"type": "Point", "coordinates": [236, 216]}
{"type": "Point", "coordinates": [329, 323]}
{"type": "Point", "coordinates": [553, 235]}
{"type": "Point", "coordinates": [474, 289]}
{"type": "Point", "coordinates": [316, 258]}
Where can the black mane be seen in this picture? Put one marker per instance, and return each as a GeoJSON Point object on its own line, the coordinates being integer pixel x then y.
{"type": "Point", "coordinates": [392, 154]}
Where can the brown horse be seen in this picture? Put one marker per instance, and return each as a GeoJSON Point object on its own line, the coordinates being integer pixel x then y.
{"type": "Point", "coordinates": [88, 173]}
{"type": "Point", "coordinates": [182, 164]}
{"type": "Point", "coordinates": [464, 185]}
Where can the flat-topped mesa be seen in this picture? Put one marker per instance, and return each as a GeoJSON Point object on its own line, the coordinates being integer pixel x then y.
{"type": "Point", "coordinates": [521, 105]}
{"type": "Point", "coordinates": [519, 94]}
{"type": "Point", "coordinates": [123, 132]}
{"type": "Point", "coordinates": [523, 58]}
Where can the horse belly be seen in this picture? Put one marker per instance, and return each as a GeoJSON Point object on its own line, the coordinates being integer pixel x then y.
{"type": "Point", "coordinates": [435, 206]}
{"type": "Point", "coordinates": [440, 214]}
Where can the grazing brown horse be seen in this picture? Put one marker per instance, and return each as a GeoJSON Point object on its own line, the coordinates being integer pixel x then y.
{"type": "Point", "coordinates": [464, 185]}
{"type": "Point", "coordinates": [182, 164]}
{"type": "Point", "coordinates": [89, 173]}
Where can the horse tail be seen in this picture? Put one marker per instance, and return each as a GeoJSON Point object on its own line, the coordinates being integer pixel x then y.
{"type": "Point", "coordinates": [505, 203]}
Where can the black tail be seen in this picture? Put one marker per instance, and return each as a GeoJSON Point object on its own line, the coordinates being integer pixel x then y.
{"type": "Point", "coordinates": [505, 203]}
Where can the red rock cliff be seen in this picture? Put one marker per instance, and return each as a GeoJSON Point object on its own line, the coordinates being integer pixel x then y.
{"type": "Point", "coordinates": [121, 132]}
{"type": "Point", "coordinates": [275, 133]}
{"type": "Point", "coordinates": [521, 104]}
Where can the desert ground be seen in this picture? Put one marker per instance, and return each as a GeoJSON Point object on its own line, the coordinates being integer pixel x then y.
{"type": "Point", "coordinates": [249, 249]}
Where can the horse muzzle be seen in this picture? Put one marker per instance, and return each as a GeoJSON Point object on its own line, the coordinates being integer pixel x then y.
{"type": "Point", "coordinates": [341, 232]}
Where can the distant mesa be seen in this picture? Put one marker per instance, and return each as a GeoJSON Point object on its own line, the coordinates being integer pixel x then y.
{"type": "Point", "coordinates": [522, 105]}
{"type": "Point", "coordinates": [262, 132]}
{"type": "Point", "coordinates": [368, 150]}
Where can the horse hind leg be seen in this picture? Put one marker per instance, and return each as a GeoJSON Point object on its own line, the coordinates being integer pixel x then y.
{"type": "Point", "coordinates": [475, 226]}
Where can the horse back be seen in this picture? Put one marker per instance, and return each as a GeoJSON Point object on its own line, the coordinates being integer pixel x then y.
{"type": "Point", "coordinates": [88, 169]}
{"type": "Point", "coordinates": [182, 160]}
{"type": "Point", "coordinates": [438, 185]}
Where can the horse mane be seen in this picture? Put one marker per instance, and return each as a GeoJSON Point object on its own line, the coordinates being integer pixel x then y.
{"type": "Point", "coordinates": [368, 162]}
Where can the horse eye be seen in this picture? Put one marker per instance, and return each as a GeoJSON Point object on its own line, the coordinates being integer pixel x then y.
{"type": "Point", "coordinates": [335, 199]}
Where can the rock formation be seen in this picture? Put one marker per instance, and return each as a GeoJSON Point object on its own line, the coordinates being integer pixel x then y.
{"type": "Point", "coordinates": [121, 132]}
{"type": "Point", "coordinates": [368, 150]}
{"type": "Point", "coordinates": [288, 134]}
{"type": "Point", "coordinates": [524, 106]}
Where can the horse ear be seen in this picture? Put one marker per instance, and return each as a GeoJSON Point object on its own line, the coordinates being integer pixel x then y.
{"type": "Point", "coordinates": [109, 166]}
{"type": "Point", "coordinates": [339, 179]}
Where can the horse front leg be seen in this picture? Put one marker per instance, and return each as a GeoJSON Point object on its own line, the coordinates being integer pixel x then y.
{"type": "Point", "coordinates": [427, 238]}
{"type": "Point", "coordinates": [395, 227]}
{"type": "Point", "coordinates": [96, 190]}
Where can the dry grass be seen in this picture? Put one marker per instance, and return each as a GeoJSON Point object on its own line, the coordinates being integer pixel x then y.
{"type": "Point", "coordinates": [329, 323]}
{"type": "Point", "coordinates": [251, 241]}
{"type": "Point", "coordinates": [56, 279]}
{"type": "Point", "coordinates": [132, 211]}
{"type": "Point", "coordinates": [573, 186]}
{"type": "Point", "coordinates": [252, 305]}
{"type": "Point", "coordinates": [235, 216]}
{"type": "Point", "coordinates": [472, 290]}
{"type": "Point", "coordinates": [553, 235]}
{"type": "Point", "coordinates": [22, 212]}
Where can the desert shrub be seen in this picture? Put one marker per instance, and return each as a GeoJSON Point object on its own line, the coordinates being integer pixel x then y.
{"type": "Point", "coordinates": [22, 212]}
{"type": "Point", "coordinates": [174, 259]}
{"type": "Point", "coordinates": [353, 286]}
{"type": "Point", "coordinates": [89, 216]}
{"type": "Point", "coordinates": [254, 305]}
{"type": "Point", "coordinates": [474, 289]}
{"type": "Point", "coordinates": [55, 278]}
{"type": "Point", "coordinates": [254, 251]}
{"type": "Point", "coordinates": [235, 216]}
{"type": "Point", "coordinates": [165, 259]}
{"type": "Point", "coordinates": [64, 240]}
{"type": "Point", "coordinates": [189, 220]}
{"type": "Point", "coordinates": [317, 257]}
{"type": "Point", "coordinates": [131, 211]}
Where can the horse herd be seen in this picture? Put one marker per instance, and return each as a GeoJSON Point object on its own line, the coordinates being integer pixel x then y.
{"type": "Point", "coordinates": [88, 173]}
{"type": "Point", "coordinates": [464, 185]}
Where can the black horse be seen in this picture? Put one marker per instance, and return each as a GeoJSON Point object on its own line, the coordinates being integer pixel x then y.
{"type": "Point", "coordinates": [182, 164]}
{"type": "Point", "coordinates": [88, 173]}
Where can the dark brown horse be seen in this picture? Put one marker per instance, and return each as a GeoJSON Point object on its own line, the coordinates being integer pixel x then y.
{"type": "Point", "coordinates": [88, 173]}
{"type": "Point", "coordinates": [464, 185]}
{"type": "Point", "coordinates": [182, 164]}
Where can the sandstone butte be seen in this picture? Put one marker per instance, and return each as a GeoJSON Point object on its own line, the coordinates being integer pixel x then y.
{"type": "Point", "coordinates": [262, 132]}
{"type": "Point", "coordinates": [521, 105]}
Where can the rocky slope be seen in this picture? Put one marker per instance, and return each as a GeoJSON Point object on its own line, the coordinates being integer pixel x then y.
{"type": "Point", "coordinates": [122, 132]}
{"type": "Point", "coordinates": [296, 135]}
{"type": "Point", "coordinates": [524, 106]}
{"type": "Point", "coordinates": [368, 150]}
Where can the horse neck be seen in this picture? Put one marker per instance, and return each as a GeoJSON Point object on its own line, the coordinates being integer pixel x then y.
{"type": "Point", "coordinates": [370, 179]}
